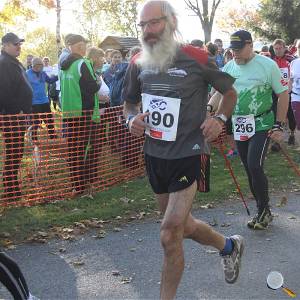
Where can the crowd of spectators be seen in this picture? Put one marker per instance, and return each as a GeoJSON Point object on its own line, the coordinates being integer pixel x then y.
{"type": "Point", "coordinates": [97, 89]}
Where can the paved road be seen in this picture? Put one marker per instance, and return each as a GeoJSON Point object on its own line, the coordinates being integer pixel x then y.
{"type": "Point", "coordinates": [135, 252]}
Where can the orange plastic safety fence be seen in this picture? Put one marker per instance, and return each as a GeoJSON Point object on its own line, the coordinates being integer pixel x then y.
{"type": "Point", "coordinates": [49, 156]}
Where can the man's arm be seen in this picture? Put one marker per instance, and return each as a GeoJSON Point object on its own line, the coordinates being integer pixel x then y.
{"type": "Point", "coordinates": [131, 109]}
{"type": "Point", "coordinates": [282, 106]}
{"type": "Point", "coordinates": [212, 127]}
{"type": "Point", "coordinates": [136, 123]}
{"type": "Point", "coordinates": [214, 101]}
{"type": "Point", "coordinates": [227, 103]}
{"type": "Point", "coordinates": [290, 85]}
{"type": "Point", "coordinates": [223, 104]}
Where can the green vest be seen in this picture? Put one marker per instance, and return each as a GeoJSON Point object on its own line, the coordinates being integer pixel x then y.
{"type": "Point", "coordinates": [71, 100]}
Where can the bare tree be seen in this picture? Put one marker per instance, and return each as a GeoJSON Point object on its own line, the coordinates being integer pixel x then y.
{"type": "Point", "coordinates": [54, 4]}
{"type": "Point", "coordinates": [205, 14]}
{"type": "Point", "coordinates": [58, 37]}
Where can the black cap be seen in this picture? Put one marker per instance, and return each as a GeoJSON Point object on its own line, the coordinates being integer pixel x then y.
{"type": "Point", "coordinates": [197, 43]}
{"type": "Point", "coordinates": [11, 38]}
{"type": "Point", "coordinates": [72, 39]}
{"type": "Point", "coordinates": [239, 39]}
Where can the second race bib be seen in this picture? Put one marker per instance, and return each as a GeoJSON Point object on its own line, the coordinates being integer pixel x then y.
{"type": "Point", "coordinates": [243, 127]}
{"type": "Point", "coordinates": [163, 119]}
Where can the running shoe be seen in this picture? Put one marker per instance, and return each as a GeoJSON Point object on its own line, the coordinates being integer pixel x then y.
{"type": "Point", "coordinates": [253, 221]}
{"type": "Point", "coordinates": [232, 262]}
{"type": "Point", "coordinates": [264, 219]}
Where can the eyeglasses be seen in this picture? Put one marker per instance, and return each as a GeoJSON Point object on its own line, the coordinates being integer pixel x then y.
{"type": "Point", "coordinates": [152, 22]}
{"type": "Point", "coordinates": [17, 44]}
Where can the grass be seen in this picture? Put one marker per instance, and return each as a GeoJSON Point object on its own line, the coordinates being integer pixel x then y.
{"type": "Point", "coordinates": [135, 197]}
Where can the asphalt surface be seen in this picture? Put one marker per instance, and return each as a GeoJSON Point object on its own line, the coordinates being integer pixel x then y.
{"type": "Point", "coordinates": [136, 255]}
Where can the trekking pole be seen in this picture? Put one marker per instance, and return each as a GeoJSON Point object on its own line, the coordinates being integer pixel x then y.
{"type": "Point", "coordinates": [228, 164]}
{"type": "Point", "coordinates": [288, 158]}
{"type": "Point", "coordinates": [290, 161]}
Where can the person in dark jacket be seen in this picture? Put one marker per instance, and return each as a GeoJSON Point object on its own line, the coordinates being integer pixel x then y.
{"type": "Point", "coordinates": [15, 102]}
{"type": "Point", "coordinates": [80, 106]}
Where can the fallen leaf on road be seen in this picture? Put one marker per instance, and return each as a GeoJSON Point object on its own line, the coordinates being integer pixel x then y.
{"type": "Point", "coordinates": [93, 223]}
{"type": "Point", "coordinates": [132, 249]}
{"type": "Point", "coordinates": [230, 213]}
{"type": "Point", "coordinates": [207, 206]}
{"type": "Point", "coordinates": [67, 230]}
{"type": "Point", "coordinates": [292, 218]}
{"type": "Point", "coordinates": [62, 250]}
{"type": "Point", "coordinates": [78, 263]}
{"type": "Point", "coordinates": [100, 235]}
{"type": "Point", "coordinates": [126, 280]}
{"type": "Point", "coordinates": [141, 215]}
{"type": "Point", "coordinates": [214, 222]}
{"type": "Point", "coordinates": [118, 218]}
{"type": "Point", "coordinates": [79, 225]}
{"type": "Point", "coordinates": [117, 229]}
{"type": "Point", "coordinates": [140, 240]}
{"type": "Point", "coordinates": [225, 224]}
{"type": "Point", "coordinates": [115, 273]}
{"type": "Point", "coordinates": [283, 201]}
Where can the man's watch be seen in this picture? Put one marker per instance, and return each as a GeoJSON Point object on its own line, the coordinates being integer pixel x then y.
{"type": "Point", "coordinates": [129, 118]}
{"type": "Point", "coordinates": [221, 117]}
{"type": "Point", "coordinates": [209, 108]}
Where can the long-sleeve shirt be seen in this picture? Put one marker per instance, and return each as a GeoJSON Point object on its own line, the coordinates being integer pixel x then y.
{"type": "Point", "coordinates": [38, 82]}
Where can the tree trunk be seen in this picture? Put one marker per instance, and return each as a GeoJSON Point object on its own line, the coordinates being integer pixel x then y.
{"type": "Point", "coordinates": [58, 38]}
{"type": "Point", "coordinates": [207, 33]}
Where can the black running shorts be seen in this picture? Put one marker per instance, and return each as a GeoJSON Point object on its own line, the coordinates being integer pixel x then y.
{"type": "Point", "coordinates": [172, 175]}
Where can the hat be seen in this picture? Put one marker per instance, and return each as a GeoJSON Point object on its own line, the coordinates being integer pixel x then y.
{"type": "Point", "coordinates": [72, 39]}
{"type": "Point", "coordinates": [239, 39]}
{"type": "Point", "coordinates": [11, 38]}
{"type": "Point", "coordinates": [37, 61]}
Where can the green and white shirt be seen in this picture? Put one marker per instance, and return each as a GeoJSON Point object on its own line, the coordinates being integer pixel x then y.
{"type": "Point", "coordinates": [254, 84]}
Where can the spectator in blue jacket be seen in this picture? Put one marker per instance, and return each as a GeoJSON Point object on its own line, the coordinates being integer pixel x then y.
{"type": "Point", "coordinates": [116, 61]}
{"type": "Point", "coordinates": [40, 101]}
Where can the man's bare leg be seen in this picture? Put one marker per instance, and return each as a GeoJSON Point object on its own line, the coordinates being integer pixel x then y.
{"type": "Point", "coordinates": [171, 235]}
{"type": "Point", "coordinates": [195, 229]}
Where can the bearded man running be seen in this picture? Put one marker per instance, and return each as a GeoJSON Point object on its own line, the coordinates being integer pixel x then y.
{"type": "Point", "coordinates": [170, 81]}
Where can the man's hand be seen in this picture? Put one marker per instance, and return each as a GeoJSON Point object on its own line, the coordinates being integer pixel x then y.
{"type": "Point", "coordinates": [211, 128]}
{"type": "Point", "coordinates": [276, 135]}
{"type": "Point", "coordinates": [137, 124]}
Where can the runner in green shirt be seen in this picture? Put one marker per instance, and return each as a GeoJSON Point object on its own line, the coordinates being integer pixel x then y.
{"type": "Point", "coordinates": [253, 120]}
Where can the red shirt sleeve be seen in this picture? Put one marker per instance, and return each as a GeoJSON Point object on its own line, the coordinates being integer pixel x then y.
{"type": "Point", "coordinates": [200, 55]}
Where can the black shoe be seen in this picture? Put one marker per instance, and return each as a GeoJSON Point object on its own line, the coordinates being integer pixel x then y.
{"type": "Point", "coordinates": [275, 147]}
{"type": "Point", "coordinates": [264, 219]}
{"type": "Point", "coordinates": [291, 140]}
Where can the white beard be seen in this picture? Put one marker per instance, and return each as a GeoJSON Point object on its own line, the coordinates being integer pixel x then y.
{"type": "Point", "coordinates": [160, 56]}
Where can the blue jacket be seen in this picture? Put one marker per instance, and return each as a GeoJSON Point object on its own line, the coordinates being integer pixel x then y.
{"type": "Point", "coordinates": [116, 85]}
{"type": "Point", "coordinates": [38, 84]}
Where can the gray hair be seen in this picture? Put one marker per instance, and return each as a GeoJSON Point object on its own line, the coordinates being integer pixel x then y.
{"type": "Point", "coordinates": [169, 11]}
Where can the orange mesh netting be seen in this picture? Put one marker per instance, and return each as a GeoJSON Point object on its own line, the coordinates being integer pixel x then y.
{"type": "Point", "coordinates": [50, 156]}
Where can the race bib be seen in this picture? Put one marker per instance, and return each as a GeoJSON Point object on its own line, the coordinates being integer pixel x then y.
{"type": "Point", "coordinates": [284, 75]}
{"type": "Point", "coordinates": [162, 122]}
{"type": "Point", "coordinates": [243, 127]}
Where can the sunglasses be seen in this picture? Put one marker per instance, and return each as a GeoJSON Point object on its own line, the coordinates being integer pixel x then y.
{"type": "Point", "coordinates": [17, 44]}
